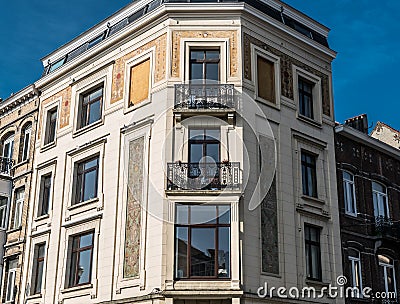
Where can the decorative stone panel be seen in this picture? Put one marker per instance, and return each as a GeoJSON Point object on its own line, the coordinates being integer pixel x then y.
{"type": "Point", "coordinates": [133, 208]}
{"type": "Point", "coordinates": [176, 47]}
{"type": "Point", "coordinates": [159, 67]}
{"type": "Point", "coordinates": [269, 231]}
{"type": "Point", "coordinates": [286, 71]}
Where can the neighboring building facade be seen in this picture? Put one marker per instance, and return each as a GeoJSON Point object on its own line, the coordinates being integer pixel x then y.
{"type": "Point", "coordinates": [18, 121]}
{"type": "Point", "coordinates": [386, 134]}
{"type": "Point", "coordinates": [154, 127]}
{"type": "Point", "coordinates": [368, 174]}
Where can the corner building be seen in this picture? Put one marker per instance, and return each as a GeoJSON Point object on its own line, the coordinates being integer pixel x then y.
{"type": "Point", "coordinates": [153, 131]}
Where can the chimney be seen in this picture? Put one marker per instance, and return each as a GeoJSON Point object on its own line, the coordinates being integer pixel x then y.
{"type": "Point", "coordinates": [359, 123]}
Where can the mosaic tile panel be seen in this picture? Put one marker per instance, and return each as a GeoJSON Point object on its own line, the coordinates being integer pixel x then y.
{"type": "Point", "coordinates": [133, 208]}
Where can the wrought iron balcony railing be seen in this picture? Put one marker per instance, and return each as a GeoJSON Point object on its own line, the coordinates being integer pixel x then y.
{"type": "Point", "coordinates": [204, 96]}
{"type": "Point", "coordinates": [6, 165]}
{"type": "Point", "coordinates": [386, 226]}
{"type": "Point", "coordinates": [203, 176]}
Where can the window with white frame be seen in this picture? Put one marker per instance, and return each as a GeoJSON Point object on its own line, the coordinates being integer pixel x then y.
{"type": "Point", "coordinates": [349, 193]}
{"type": "Point", "coordinates": [18, 205]}
{"type": "Point", "coordinates": [8, 146]}
{"type": "Point", "coordinates": [26, 141]}
{"type": "Point", "coordinates": [379, 194]}
{"type": "Point", "coordinates": [12, 270]}
{"type": "Point", "coordinates": [3, 212]}
{"type": "Point", "coordinates": [356, 274]}
{"type": "Point", "coordinates": [387, 269]}
{"type": "Point", "coordinates": [86, 180]}
{"type": "Point", "coordinates": [44, 194]}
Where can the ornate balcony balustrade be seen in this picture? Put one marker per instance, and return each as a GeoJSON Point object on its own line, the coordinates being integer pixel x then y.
{"type": "Point", "coordinates": [204, 96]}
{"type": "Point", "coordinates": [6, 165]}
{"type": "Point", "coordinates": [203, 176]}
{"type": "Point", "coordinates": [386, 226]}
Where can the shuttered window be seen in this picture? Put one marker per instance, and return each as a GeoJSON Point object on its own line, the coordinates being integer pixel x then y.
{"type": "Point", "coordinates": [139, 85]}
{"type": "Point", "coordinates": [266, 79]}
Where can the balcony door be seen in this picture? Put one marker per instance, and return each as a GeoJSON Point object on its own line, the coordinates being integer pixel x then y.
{"type": "Point", "coordinates": [204, 65]}
{"type": "Point", "coordinates": [204, 156]}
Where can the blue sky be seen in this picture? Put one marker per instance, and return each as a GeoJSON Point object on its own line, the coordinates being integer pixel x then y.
{"type": "Point", "coordinates": [364, 33]}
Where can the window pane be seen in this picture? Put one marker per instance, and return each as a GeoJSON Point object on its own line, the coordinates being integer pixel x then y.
{"type": "Point", "coordinates": [73, 272]}
{"type": "Point", "coordinates": [86, 240]}
{"type": "Point", "coordinates": [197, 134]}
{"type": "Point", "coordinates": [95, 112]}
{"type": "Point", "coordinates": [203, 252]}
{"type": "Point", "coordinates": [213, 134]}
{"type": "Point", "coordinates": [212, 150]}
{"type": "Point", "coordinates": [212, 71]}
{"type": "Point", "coordinates": [202, 214]}
{"type": "Point", "coordinates": [39, 275]}
{"type": "Point", "coordinates": [90, 164]}
{"type": "Point", "coordinates": [90, 185]}
{"type": "Point", "coordinates": [182, 213]}
{"type": "Point", "coordinates": [181, 253]}
{"type": "Point", "coordinates": [347, 176]}
{"type": "Point", "coordinates": [315, 262]}
{"type": "Point", "coordinates": [224, 214]}
{"type": "Point", "coordinates": [212, 54]}
{"type": "Point", "coordinates": [378, 187]}
{"type": "Point", "coordinates": [390, 279]}
{"type": "Point", "coordinates": [84, 267]}
{"type": "Point", "coordinates": [196, 71]}
{"type": "Point", "coordinates": [223, 252]}
{"type": "Point", "coordinates": [197, 55]}
{"type": "Point", "coordinates": [196, 153]}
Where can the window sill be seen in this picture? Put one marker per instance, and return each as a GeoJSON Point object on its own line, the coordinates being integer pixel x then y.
{"type": "Point", "coordinates": [14, 230]}
{"type": "Point", "coordinates": [143, 103]}
{"type": "Point", "coordinates": [268, 103]}
{"type": "Point", "coordinates": [310, 121]}
{"type": "Point", "coordinates": [312, 199]}
{"type": "Point", "coordinates": [42, 217]}
{"type": "Point", "coordinates": [78, 205]}
{"type": "Point", "coordinates": [77, 288]}
{"type": "Point", "coordinates": [88, 128]}
{"type": "Point", "coordinates": [316, 283]}
{"type": "Point", "coordinates": [21, 163]}
{"type": "Point", "coordinates": [351, 215]}
{"type": "Point", "coordinates": [35, 296]}
{"type": "Point", "coordinates": [48, 146]}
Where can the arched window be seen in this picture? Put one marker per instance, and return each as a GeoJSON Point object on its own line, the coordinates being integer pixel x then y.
{"type": "Point", "coordinates": [355, 268]}
{"type": "Point", "coordinates": [349, 193]}
{"type": "Point", "coordinates": [381, 207]}
{"type": "Point", "coordinates": [386, 266]}
{"type": "Point", "coordinates": [25, 142]}
{"type": "Point", "coordinates": [8, 145]}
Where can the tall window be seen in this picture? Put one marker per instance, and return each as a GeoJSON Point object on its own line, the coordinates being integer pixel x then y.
{"type": "Point", "coordinates": [18, 206]}
{"type": "Point", "coordinates": [8, 146]}
{"type": "Point", "coordinates": [12, 270]}
{"type": "Point", "coordinates": [356, 274]}
{"type": "Point", "coordinates": [81, 259]}
{"type": "Point", "coordinates": [313, 252]}
{"type": "Point", "coordinates": [379, 194]}
{"type": "Point", "coordinates": [3, 212]}
{"type": "Point", "coordinates": [38, 265]}
{"type": "Point", "coordinates": [202, 241]}
{"type": "Point", "coordinates": [26, 142]}
{"type": "Point", "coordinates": [139, 86]}
{"type": "Point", "coordinates": [349, 193]}
{"type": "Point", "coordinates": [51, 126]}
{"type": "Point", "coordinates": [386, 265]}
{"type": "Point", "coordinates": [309, 174]}
{"type": "Point", "coordinates": [204, 64]}
{"type": "Point", "coordinates": [265, 79]}
{"type": "Point", "coordinates": [306, 98]}
{"type": "Point", "coordinates": [86, 180]}
{"type": "Point", "coordinates": [44, 194]}
{"type": "Point", "coordinates": [90, 105]}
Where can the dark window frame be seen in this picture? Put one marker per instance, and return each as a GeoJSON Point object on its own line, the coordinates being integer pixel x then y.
{"type": "Point", "coordinates": [204, 61]}
{"type": "Point", "coordinates": [309, 167]}
{"type": "Point", "coordinates": [303, 106]}
{"type": "Point", "coordinates": [309, 244]}
{"type": "Point", "coordinates": [72, 281]}
{"type": "Point", "coordinates": [44, 194]}
{"type": "Point", "coordinates": [51, 126]}
{"type": "Point", "coordinates": [37, 288]}
{"type": "Point", "coordinates": [189, 227]}
{"type": "Point", "coordinates": [85, 105]}
{"type": "Point", "coordinates": [80, 176]}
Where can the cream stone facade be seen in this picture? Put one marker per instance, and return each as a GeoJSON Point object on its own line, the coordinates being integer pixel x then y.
{"type": "Point", "coordinates": [154, 184]}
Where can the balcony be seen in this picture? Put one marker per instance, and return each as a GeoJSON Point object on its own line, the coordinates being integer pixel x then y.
{"type": "Point", "coordinates": [203, 176]}
{"type": "Point", "coordinates": [387, 227]}
{"type": "Point", "coordinates": [205, 97]}
{"type": "Point", "coordinates": [6, 166]}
